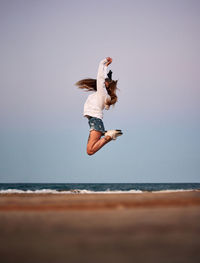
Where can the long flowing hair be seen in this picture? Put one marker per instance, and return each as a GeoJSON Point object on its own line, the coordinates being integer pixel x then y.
{"type": "Point", "coordinates": [91, 85]}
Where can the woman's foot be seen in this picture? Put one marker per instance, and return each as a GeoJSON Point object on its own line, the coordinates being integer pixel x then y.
{"type": "Point", "coordinates": [113, 134]}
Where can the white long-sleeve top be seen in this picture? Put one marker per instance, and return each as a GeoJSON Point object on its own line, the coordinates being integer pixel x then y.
{"type": "Point", "coordinates": [95, 102]}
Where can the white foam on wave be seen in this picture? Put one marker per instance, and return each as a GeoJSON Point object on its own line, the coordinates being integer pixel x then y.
{"type": "Point", "coordinates": [106, 192]}
{"type": "Point", "coordinates": [75, 191]}
{"type": "Point", "coordinates": [84, 191]}
{"type": "Point", "coordinates": [42, 191]}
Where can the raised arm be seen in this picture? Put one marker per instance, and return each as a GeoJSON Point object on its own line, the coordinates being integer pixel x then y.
{"type": "Point", "coordinates": [102, 73]}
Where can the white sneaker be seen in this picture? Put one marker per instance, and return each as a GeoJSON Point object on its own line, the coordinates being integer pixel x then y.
{"type": "Point", "coordinates": [113, 133]}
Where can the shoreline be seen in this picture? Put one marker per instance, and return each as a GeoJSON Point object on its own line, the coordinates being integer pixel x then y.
{"type": "Point", "coordinates": [100, 192]}
{"type": "Point", "coordinates": [59, 202]}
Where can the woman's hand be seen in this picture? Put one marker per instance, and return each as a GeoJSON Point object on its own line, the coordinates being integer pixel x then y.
{"type": "Point", "coordinates": [109, 59]}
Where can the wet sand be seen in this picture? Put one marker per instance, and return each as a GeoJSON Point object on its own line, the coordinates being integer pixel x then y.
{"type": "Point", "coordinates": [147, 227]}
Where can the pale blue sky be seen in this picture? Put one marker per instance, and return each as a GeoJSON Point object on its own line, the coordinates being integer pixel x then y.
{"type": "Point", "coordinates": [46, 46]}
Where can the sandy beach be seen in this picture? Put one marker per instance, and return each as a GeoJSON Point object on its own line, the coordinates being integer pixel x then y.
{"type": "Point", "coordinates": [147, 227]}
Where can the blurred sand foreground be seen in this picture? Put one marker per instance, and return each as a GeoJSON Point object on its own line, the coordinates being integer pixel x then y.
{"type": "Point", "coordinates": [116, 228]}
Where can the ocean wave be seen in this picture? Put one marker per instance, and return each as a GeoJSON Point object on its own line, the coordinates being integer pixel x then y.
{"type": "Point", "coordinates": [73, 191]}
{"type": "Point", "coordinates": [78, 191]}
{"type": "Point", "coordinates": [84, 191]}
{"type": "Point", "coordinates": [42, 191]}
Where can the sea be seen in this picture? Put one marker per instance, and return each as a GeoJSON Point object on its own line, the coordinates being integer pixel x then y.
{"type": "Point", "coordinates": [97, 188]}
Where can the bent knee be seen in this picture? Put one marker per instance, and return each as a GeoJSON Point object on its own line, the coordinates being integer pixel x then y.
{"type": "Point", "coordinates": [89, 152]}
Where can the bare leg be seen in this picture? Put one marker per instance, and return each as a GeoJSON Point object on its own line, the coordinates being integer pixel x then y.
{"type": "Point", "coordinates": [95, 142]}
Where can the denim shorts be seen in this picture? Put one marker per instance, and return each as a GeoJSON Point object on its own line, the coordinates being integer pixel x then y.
{"type": "Point", "coordinates": [96, 124]}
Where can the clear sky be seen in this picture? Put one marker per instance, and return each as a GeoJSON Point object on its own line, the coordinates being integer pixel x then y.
{"type": "Point", "coordinates": [46, 46]}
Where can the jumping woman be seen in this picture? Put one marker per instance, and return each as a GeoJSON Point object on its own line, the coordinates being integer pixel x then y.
{"type": "Point", "coordinates": [103, 97]}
